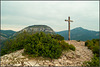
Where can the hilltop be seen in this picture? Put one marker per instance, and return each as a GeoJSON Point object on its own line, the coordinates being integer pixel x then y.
{"type": "Point", "coordinates": [80, 33]}
{"type": "Point", "coordinates": [36, 28]}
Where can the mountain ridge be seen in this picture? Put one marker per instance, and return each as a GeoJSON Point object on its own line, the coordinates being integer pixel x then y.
{"type": "Point", "coordinates": [64, 33]}
{"type": "Point", "coordinates": [6, 33]}
{"type": "Point", "coordinates": [36, 28]}
{"type": "Point", "coordinates": [80, 33]}
{"type": "Point", "coordinates": [77, 28]}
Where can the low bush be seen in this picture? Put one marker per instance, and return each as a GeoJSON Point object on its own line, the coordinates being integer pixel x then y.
{"type": "Point", "coordinates": [3, 51]}
{"type": "Point", "coordinates": [16, 43]}
{"type": "Point", "coordinates": [64, 45]}
{"type": "Point", "coordinates": [96, 50]}
{"type": "Point", "coordinates": [94, 46]}
{"type": "Point", "coordinates": [94, 62]}
{"type": "Point", "coordinates": [58, 37]}
{"type": "Point", "coordinates": [43, 45]}
{"type": "Point", "coordinates": [78, 40]}
{"type": "Point", "coordinates": [87, 42]}
{"type": "Point", "coordinates": [72, 47]}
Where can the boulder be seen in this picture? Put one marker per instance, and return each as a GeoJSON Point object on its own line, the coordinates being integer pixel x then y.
{"type": "Point", "coordinates": [78, 56]}
{"type": "Point", "coordinates": [47, 61]}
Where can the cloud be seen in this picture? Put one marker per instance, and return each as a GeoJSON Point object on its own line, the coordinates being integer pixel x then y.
{"type": "Point", "coordinates": [53, 14]}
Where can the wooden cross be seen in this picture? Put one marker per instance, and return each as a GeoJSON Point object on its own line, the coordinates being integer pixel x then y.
{"type": "Point", "coordinates": [69, 27]}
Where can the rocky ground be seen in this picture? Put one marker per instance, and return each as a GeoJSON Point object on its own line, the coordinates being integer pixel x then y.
{"type": "Point", "coordinates": [70, 58]}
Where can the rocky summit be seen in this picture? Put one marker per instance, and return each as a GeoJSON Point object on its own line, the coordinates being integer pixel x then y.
{"type": "Point", "coordinates": [38, 28]}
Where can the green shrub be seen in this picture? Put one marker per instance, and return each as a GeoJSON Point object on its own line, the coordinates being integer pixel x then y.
{"type": "Point", "coordinates": [78, 40]}
{"type": "Point", "coordinates": [72, 47]}
{"type": "Point", "coordinates": [93, 62]}
{"type": "Point", "coordinates": [94, 46]}
{"type": "Point", "coordinates": [3, 52]}
{"type": "Point", "coordinates": [16, 43]}
{"type": "Point", "coordinates": [96, 50]}
{"type": "Point", "coordinates": [64, 45]}
{"type": "Point", "coordinates": [58, 37]}
{"type": "Point", "coordinates": [43, 45]}
{"type": "Point", "coordinates": [86, 43]}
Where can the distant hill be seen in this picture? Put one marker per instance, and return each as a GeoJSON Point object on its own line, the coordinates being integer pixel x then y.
{"type": "Point", "coordinates": [36, 28]}
{"type": "Point", "coordinates": [80, 34]}
{"type": "Point", "coordinates": [6, 34]}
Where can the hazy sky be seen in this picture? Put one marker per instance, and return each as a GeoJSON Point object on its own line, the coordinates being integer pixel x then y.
{"type": "Point", "coordinates": [16, 15]}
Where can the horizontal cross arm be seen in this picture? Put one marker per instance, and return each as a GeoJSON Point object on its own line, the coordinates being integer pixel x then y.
{"type": "Point", "coordinates": [66, 20]}
{"type": "Point", "coordinates": [69, 20]}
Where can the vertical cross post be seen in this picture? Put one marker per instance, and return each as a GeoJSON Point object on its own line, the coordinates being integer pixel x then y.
{"type": "Point", "coordinates": [69, 27]}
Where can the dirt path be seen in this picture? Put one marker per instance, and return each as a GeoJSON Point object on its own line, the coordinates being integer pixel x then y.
{"type": "Point", "coordinates": [68, 58]}
{"type": "Point", "coordinates": [81, 50]}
